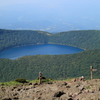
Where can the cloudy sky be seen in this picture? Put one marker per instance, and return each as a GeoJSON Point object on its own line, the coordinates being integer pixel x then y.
{"type": "Point", "coordinates": [50, 15]}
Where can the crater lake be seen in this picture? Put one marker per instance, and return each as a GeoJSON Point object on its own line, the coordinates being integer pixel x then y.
{"type": "Point", "coordinates": [40, 49]}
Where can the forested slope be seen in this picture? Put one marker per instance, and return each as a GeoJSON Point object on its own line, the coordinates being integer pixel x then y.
{"type": "Point", "coordinates": [84, 39]}
{"type": "Point", "coordinates": [87, 39]}
{"type": "Point", "coordinates": [12, 38]}
{"type": "Point", "coordinates": [52, 66]}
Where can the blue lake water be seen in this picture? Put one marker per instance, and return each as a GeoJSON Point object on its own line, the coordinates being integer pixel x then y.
{"type": "Point", "coordinates": [42, 49]}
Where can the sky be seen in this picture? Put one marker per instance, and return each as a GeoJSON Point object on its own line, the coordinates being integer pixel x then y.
{"type": "Point", "coordinates": [50, 15]}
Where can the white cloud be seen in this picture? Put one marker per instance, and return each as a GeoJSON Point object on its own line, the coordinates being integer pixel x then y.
{"type": "Point", "coordinates": [47, 29]}
{"type": "Point", "coordinates": [41, 29]}
{"type": "Point", "coordinates": [77, 29]}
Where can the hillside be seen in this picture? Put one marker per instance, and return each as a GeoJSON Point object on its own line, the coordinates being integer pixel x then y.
{"type": "Point", "coordinates": [87, 39]}
{"type": "Point", "coordinates": [52, 66]}
{"type": "Point", "coordinates": [84, 39]}
{"type": "Point", "coordinates": [13, 38]}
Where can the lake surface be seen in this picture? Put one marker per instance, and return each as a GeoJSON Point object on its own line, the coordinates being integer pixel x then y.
{"type": "Point", "coordinates": [42, 49]}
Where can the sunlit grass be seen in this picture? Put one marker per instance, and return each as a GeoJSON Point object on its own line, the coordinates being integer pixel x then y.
{"type": "Point", "coordinates": [9, 83]}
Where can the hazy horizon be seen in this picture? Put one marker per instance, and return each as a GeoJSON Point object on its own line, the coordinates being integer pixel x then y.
{"type": "Point", "coordinates": [50, 15]}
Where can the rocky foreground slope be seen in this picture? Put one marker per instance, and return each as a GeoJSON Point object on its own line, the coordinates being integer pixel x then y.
{"type": "Point", "coordinates": [59, 90]}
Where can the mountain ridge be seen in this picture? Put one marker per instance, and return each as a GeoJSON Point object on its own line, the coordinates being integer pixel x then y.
{"type": "Point", "coordinates": [83, 39]}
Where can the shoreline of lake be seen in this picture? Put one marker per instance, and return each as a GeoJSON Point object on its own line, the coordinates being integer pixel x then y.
{"type": "Point", "coordinates": [41, 49]}
{"type": "Point", "coordinates": [39, 44]}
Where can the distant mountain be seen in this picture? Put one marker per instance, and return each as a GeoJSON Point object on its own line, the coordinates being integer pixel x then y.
{"type": "Point", "coordinates": [50, 26]}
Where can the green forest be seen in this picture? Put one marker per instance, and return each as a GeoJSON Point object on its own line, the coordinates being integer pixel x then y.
{"type": "Point", "coordinates": [84, 39]}
{"type": "Point", "coordinates": [52, 66]}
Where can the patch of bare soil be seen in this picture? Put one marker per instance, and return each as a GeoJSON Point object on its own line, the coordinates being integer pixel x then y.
{"type": "Point", "coordinates": [59, 90]}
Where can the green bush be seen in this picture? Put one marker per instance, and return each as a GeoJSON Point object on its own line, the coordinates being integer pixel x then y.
{"type": "Point", "coordinates": [21, 80]}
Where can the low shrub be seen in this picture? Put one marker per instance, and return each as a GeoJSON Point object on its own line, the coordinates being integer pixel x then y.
{"type": "Point", "coordinates": [21, 80]}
